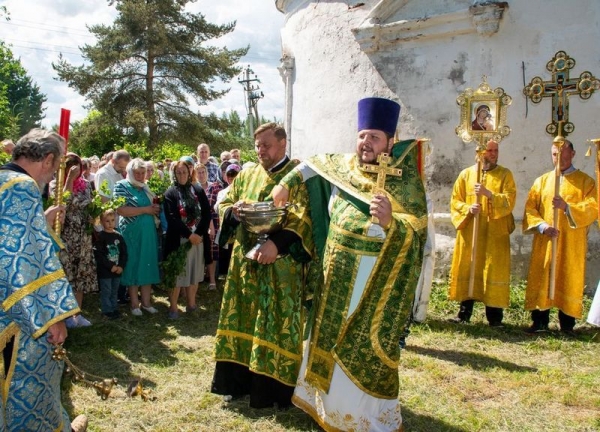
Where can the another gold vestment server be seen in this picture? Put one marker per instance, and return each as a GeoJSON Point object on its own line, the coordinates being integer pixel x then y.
{"type": "Point", "coordinates": [579, 190]}
{"type": "Point", "coordinates": [496, 223]}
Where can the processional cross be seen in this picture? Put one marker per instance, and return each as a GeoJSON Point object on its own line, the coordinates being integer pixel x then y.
{"type": "Point", "coordinates": [559, 89]}
{"type": "Point", "coordinates": [383, 169]}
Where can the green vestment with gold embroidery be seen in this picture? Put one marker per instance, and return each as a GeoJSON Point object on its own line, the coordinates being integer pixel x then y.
{"type": "Point", "coordinates": [261, 320]}
{"type": "Point", "coordinates": [365, 343]}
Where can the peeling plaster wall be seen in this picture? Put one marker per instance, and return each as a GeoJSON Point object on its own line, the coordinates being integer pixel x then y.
{"type": "Point", "coordinates": [425, 73]}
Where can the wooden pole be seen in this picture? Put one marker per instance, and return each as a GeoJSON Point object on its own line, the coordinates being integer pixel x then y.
{"type": "Point", "coordinates": [480, 152]}
{"type": "Point", "coordinates": [558, 143]}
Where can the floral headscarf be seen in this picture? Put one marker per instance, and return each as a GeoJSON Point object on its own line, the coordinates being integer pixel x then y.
{"type": "Point", "coordinates": [189, 205]}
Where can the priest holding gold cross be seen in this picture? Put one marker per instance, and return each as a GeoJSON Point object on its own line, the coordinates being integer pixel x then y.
{"type": "Point", "coordinates": [576, 209]}
{"type": "Point", "coordinates": [369, 217]}
{"type": "Point", "coordinates": [561, 206]}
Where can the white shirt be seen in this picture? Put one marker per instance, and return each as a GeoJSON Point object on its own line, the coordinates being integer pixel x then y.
{"type": "Point", "coordinates": [110, 175]}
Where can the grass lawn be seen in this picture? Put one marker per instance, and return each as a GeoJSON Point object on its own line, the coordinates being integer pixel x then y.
{"type": "Point", "coordinates": [452, 377]}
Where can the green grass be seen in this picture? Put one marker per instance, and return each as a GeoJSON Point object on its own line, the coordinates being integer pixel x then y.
{"type": "Point", "coordinates": [452, 377]}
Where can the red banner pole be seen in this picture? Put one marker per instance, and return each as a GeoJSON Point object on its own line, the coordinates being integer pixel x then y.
{"type": "Point", "coordinates": [63, 131]}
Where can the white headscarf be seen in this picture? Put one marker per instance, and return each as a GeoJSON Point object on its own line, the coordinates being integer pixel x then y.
{"type": "Point", "coordinates": [134, 164]}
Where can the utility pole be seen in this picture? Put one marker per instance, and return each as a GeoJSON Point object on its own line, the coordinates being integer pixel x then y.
{"type": "Point", "coordinates": [252, 95]}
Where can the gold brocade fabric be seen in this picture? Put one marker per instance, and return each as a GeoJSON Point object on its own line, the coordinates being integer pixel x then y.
{"type": "Point", "coordinates": [492, 269]}
{"type": "Point", "coordinates": [261, 323]}
{"type": "Point", "coordinates": [365, 343]}
{"type": "Point", "coordinates": [598, 175]}
{"type": "Point", "coordinates": [579, 191]}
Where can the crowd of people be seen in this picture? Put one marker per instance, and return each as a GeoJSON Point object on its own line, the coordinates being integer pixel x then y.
{"type": "Point", "coordinates": [350, 254]}
{"type": "Point", "coordinates": [98, 259]}
{"type": "Point", "coordinates": [58, 254]}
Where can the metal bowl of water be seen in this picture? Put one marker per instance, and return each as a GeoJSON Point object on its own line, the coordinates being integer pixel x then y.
{"type": "Point", "coordinates": [262, 218]}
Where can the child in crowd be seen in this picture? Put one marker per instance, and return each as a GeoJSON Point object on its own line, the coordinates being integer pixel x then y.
{"type": "Point", "coordinates": [111, 256]}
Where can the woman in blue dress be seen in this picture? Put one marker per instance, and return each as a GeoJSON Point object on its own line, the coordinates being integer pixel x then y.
{"type": "Point", "coordinates": [137, 225]}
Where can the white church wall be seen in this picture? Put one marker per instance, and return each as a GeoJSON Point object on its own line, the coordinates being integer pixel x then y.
{"type": "Point", "coordinates": [423, 54]}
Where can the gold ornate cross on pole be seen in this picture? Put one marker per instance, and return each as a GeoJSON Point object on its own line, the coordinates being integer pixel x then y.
{"type": "Point", "coordinates": [382, 170]}
{"type": "Point", "coordinates": [559, 89]}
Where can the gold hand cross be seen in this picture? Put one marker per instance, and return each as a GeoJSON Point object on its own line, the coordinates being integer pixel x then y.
{"type": "Point", "coordinates": [382, 170]}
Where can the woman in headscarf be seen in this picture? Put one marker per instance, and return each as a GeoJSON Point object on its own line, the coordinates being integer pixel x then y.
{"type": "Point", "coordinates": [211, 189]}
{"type": "Point", "coordinates": [138, 227]}
{"type": "Point", "coordinates": [188, 217]}
{"type": "Point", "coordinates": [78, 257]}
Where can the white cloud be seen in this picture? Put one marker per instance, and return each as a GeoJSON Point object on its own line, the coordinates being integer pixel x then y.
{"type": "Point", "coordinates": [39, 30]}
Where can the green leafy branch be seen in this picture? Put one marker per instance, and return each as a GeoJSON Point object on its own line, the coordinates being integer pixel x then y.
{"type": "Point", "coordinates": [174, 265]}
{"type": "Point", "coordinates": [158, 185]}
{"type": "Point", "coordinates": [98, 205]}
{"type": "Point", "coordinates": [4, 157]}
{"type": "Point", "coordinates": [51, 199]}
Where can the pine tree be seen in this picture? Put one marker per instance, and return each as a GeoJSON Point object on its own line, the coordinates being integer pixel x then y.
{"type": "Point", "coordinates": [148, 63]}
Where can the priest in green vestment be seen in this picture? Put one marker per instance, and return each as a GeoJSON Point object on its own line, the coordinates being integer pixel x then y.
{"type": "Point", "coordinates": [369, 217]}
{"type": "Point", "coordinates": [260, 332]}
{"type": "Point", "coordinates": [578, 209]}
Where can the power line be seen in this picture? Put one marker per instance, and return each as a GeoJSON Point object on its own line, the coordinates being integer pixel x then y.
{"type": "Point", "coordinates": [266, 59]}
{"type": "Point", "coordinates": [44, 49]}
{"type": "Point", "coordinates": [38, 48]}
{"type": "Point", "coordinates": [37, 43]}
{"type": "Point", "coordinates": [37, 24]}
{"type": "Point", "coordinates": [42, 27]}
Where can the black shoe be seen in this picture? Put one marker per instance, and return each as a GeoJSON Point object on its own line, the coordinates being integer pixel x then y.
{"type": "Point", "coordinates": [568, 331]}
{"type": "Point", "coordinates": [261, 404]}
{"type": "Point", "coordinates": [537, 328]}
{"type": "Point", "coordinates": [123, 301]}
{"type": "Point", "coordinates": [458, 320]}
{"type": "Point", "coordinates": [497, 324]}
{"type": "Point", "coordinates": [283, 406]}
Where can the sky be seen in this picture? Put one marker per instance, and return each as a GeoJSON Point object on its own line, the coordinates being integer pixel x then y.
{"type": "Point", "coordinates": [39, 30]}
